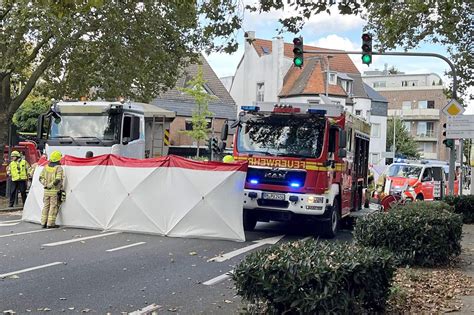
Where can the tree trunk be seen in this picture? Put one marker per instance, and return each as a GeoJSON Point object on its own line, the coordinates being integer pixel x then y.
{"type": "Point", "coordinates": [197, 151]}
{"type": "Point", "coordinates": [5, 114]}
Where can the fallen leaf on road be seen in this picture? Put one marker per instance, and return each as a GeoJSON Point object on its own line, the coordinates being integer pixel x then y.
{"type": "Point", "coordinates": [62, 299]}
{"type": "Point", "coordinates": [71, 308]}
{"type": "Point", "coordinates": [192, 253]}
{"type": "Point", "coordinates": [86, 310]}
{"type": "Point", "coordinates": [173, 309]}
{"type": "Point", "coordinates": [228, 302]}
{"type": "Point", "coordinates": [14, 277]}
{"type": "Point", "coordinates": [46, 309]}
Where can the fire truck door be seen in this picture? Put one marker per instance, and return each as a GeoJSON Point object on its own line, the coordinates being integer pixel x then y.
{"type": "Point", "coordinates": [427, 184]}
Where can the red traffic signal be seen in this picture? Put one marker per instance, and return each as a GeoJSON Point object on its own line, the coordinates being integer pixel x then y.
{"type": "Point", "coordinates": [366, 37]}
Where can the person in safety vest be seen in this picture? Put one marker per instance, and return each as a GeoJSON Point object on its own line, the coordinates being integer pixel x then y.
{"type": "Point", "coordinates": [228, 159]}
{"type": "Point", "coordinates": [370, 189]}
{"type": "Point", "coordinates": [51, 177]}
{"type": "Point", "coordinates": [18, 171]}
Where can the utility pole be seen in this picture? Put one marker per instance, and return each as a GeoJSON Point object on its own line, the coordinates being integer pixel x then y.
{"type": "Point", "coordinates": [394, 148]}
{"type": "Point", "coordinates": [452, 156]}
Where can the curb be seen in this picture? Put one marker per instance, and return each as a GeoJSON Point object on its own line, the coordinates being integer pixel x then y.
{"type": "Point", "coordinates": [13, 209]}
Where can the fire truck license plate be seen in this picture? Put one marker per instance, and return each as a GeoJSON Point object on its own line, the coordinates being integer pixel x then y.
{"type": "Point", "coordinates": [273, 196]}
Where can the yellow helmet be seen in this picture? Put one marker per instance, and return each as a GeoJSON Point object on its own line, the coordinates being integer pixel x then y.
{"type": "Point", "coordinates": [16, 154]}
{"type": "Point", "coordinates": [228, 159]}
{"type": "Point", "coordinates": [55, 156]}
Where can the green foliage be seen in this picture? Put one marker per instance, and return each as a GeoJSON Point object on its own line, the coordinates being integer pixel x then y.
{"type": "Point", "coordinates": [405, 143]}
{"type": "Point", "coordinates": [201, 113]}
{"type": "Point", "coordinates": [26, 117]}
{"type": "Point", "coordinates": [419, 233]}
{"type": "Point", "coordinates": [463, 205]}
{"type": "Point", "coordinates": [406, 24]}
{"type": "Point", "coordinates": [316, 277]}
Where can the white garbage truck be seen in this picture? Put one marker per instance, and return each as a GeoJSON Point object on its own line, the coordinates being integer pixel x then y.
{"type": "Point", "coordinates": [128, 129]}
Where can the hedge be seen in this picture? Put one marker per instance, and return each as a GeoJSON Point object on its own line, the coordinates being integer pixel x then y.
{"type": "Point", "coordinates": [419, 233]}
{"type": "Point", "coordinates": [316, 277]}
{"type": "Point", "coordinates": [463, 205]}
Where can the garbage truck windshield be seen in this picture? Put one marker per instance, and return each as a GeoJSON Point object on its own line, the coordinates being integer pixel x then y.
{"type": "Point", "coordinates": [102, 127]}
{"type": "Point", "coordinates": [278, 135]}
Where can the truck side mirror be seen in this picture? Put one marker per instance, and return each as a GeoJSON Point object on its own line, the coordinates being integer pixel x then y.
{"type": "Point", "coordinates": [222, 146]}
{"type": "Point", "coordinates": [224, 131]}
{"type": "Point", "coordinates": [39, 127]}
{"type": "Point", "coordinates": [342, 153]}
{"type": "Point", "coordinates": [342, 139]}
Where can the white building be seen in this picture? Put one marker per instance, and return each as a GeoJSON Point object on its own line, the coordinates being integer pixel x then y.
{"type": "Point", "coordinates": [266, 74]}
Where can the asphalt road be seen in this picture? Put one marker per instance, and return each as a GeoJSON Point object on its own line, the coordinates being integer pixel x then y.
{"type": "Point", "coordinates": [120, 272]}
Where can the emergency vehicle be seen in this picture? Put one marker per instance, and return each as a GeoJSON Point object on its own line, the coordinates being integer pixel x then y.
{"type": "Point", "coordinates": [305, 162]}
{"type": "Point", "coordinates": [416, 180]}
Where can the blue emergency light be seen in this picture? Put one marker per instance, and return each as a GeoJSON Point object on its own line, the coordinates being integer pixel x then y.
{"type": "Point", "coordinates": [254, 181]}
{"type": "Point", "coordinates": [250, 108]}
{"type": "Point", "coordinates": [295, 185]}
{"type": "Point", "coordinates": [319, 112]}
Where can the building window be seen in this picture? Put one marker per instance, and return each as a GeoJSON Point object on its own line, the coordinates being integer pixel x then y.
{"type": "Point", "coordinates": [425, 129]}
{"type": "Point", "coordinates": [188, 124]}
{"type": "Point", "coordinates": [313, 102]}
{"type": "Point", "coordinates": [404, 83]}
{"type": "Point", "coordinates": [358, 112]}
{"type": "Point", "coordinates": [406, 105]}
{"type": "Point", "coordinates": [332, 78]}
{"type": "Point", "coordinates": [375, 131]}
{"type": "Point", "coordinates": [407, 125]}
{"type": "Point", "coordinates": [422, 104]}
{"type": "Point", "coordinates": [374, 158]}
{"type": "Point", "coordinates": [260, 91]}
{"type": "Point", "coordinates": [431, 104]}
{"type": "Point", "coordinates": [426, 147]}
{"type": "Point", "coordinates": [380, 84]}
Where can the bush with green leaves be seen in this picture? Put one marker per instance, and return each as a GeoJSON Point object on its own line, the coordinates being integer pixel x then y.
{"type": "Point", "coordinates": [26, 117]}
{"type": "Point", "coordinates": [316, 277]}
{"type": "Point", "coordinates": [463, 205]}
{"type": "Point", "coordinates": [418, 233]}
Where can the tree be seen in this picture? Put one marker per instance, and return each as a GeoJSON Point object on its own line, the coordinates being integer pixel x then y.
{"type": "Point", "coordinates": [201, 113]}
{"type": "Point", "coordinates": [404, 142]}
{"type": "Point", "coordinates": [105, 49]}
{"type": "Point", "coordinates": [406, 23]}
{"type": "Point", "coordinates": [26, 117]}
{"type": "Point", "coordinates": [393, 70]}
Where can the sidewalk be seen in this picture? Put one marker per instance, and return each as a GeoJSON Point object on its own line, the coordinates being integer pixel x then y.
{"type": "Point", "coordinates": [468, 266]}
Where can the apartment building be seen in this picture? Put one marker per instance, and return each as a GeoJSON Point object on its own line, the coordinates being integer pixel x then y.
{"type": "Point", "coordinates": [417, 99]}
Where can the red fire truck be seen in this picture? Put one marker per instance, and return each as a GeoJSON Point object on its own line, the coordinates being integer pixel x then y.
{"type": "Point", "coordinates": [305, 162]}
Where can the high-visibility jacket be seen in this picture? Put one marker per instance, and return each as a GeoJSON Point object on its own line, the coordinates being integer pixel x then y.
{"type": "Point", "coordinates": [18, 170]}
{"type": "Point", "coordinates": [51, 178]}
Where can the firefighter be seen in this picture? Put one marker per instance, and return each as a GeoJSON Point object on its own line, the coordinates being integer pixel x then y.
{"type": "Point", "coordinates": [228, 159]}
{"type": "Point", "coordinates": [18, 171]}
{"type": "Point", "coordinates": [370, 189]}
{"type": "Point", "coordinates": [51, 177]}
{"type": "Point", "coordinates": [34, 166]}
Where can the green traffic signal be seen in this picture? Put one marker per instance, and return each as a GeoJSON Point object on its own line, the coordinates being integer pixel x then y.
{"type": "Point", "coordinates": [298, 61]}
{"type": "Point", "coordinates": [367, 59]}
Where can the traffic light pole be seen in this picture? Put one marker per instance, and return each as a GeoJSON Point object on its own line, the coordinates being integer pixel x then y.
{"type": "Point", "coordinates": [452, 155]}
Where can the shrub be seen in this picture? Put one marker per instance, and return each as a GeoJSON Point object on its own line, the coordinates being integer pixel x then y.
{"type": "Point", "coordinates": [463, 205]}
{"type": "Point", "coordinates": [316, 277]}
{"type": "Point", "coordinates": [419, 233]}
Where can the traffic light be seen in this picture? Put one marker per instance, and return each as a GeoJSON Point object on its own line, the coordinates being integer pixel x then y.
{"type": "Point", "coordinates": [447, 142]}
{"type": "Point", "coordinates": [298, 51]}
{"type": "Point", "coordinates": [215, 145]}
{"type": "Point", "coordinates": [366, 49]}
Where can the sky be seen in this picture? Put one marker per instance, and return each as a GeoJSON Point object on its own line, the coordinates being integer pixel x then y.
{"type": "Point", "coordinates": [335, 31]}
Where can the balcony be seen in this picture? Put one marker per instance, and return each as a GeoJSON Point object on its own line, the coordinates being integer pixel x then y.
{"type": "Point", "coordinates": [429, 155]}
{"type": "Point", "coordinates": [430, 136]}
{"type": "Point", "coordinates": [416, 114]}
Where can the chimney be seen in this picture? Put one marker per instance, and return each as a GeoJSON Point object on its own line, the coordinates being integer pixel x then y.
{"type": "Point", "coordinates": [278, 64]}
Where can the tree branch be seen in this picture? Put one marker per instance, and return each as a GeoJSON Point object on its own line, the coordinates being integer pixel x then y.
{"type": "Point", "coordinates": [5, 13]}
{"type": "Point", "coordinates": [35, 51]}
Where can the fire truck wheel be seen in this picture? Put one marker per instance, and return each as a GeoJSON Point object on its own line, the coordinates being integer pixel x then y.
{"type": "Point", "coordinates": [250, 221]}
{"type": "Point", "coordinates": [331, 227]}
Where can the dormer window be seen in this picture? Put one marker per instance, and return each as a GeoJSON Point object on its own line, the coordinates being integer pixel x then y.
{"type": "Point", "coordinates": [332, 78]}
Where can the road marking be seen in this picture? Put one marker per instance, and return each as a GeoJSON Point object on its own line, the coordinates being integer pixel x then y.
{"type": "Point", "coordinates": [27, 232]}
{"type": "Point", "coordinates": [126, 246]}
{"type": "Point", "coordinates": [9, 224]}
{"type": "Point", "coordinates": [237, 252]}
{"type": "Point", "coordinates": [30, 269]}
{"type": "Point", "coordinates": [220, 278]}
{"type": "Point", "coordinates": [148, 310]}
{"type": "Point", "coordinates": [75, 240]}
{"type": "Point", "coordinates": [10, 221]}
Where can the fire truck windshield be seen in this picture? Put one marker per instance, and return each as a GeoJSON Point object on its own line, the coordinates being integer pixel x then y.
{"type": "Point", "coordinates": [404, 170]}
{"type": "Point", "coordinates": [282, 135]}
{"type": "Point", "coordinates": [103, 127]}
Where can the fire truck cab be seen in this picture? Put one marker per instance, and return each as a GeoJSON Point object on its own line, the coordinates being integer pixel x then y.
{"type": "Point", "coordinates": [306, 162]}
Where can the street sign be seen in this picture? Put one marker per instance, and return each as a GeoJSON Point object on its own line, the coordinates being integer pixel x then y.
{"type": "Point", "coordinates": [460, 127]}
{"type": "Point", "coordinates": [453, 108]}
